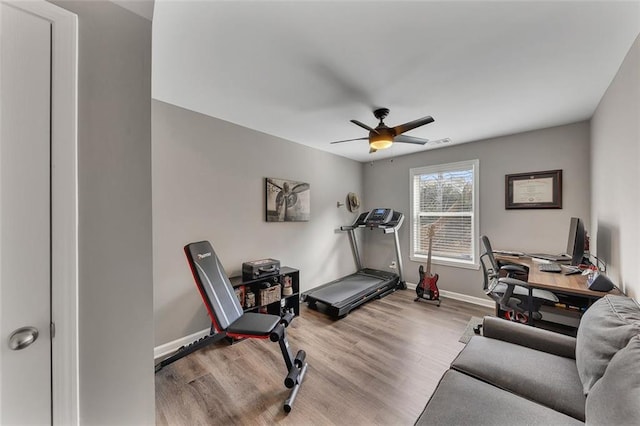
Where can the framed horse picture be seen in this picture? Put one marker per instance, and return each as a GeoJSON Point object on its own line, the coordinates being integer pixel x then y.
{"type": "Point", "coordinates": [287, 200]}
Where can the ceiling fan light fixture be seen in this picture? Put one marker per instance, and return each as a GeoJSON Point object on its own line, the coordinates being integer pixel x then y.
{"type": "Point", "coordinates": [383, 136]}
{"type": "Point", "coordinates": [380, 142]}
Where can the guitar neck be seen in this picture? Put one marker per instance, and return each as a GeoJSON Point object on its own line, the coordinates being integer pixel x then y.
{"type": "Point", "coordinates": [429, 257]}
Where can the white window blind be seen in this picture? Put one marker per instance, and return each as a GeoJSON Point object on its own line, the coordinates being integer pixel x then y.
{"type": "Point", "coordinates": [445, 198]}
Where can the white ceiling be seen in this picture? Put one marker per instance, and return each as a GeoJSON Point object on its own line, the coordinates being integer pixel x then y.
{"type": "Point", "coordinates": [301, 70]}
{"type": "Point", "coordinates": [142, 8]}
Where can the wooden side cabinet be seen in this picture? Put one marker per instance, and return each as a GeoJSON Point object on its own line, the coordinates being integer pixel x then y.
{"type": "Point", "coordinates": [274, 294]}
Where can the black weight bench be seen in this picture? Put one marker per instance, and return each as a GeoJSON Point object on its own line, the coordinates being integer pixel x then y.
{"type": "Point", "coordinates": [228, 318]}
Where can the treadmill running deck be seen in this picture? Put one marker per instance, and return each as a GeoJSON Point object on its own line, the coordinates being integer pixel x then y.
{"type": "Point", "coordinates": [346, 293]}
{"type": "Point", "coordinates": [346, 288]}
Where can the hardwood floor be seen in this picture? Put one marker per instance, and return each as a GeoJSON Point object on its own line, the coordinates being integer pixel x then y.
{"type": "Point", "coordinates": [379, 365]}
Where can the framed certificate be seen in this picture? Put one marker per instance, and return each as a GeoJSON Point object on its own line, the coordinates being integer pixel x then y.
{"type": "Point", "coordinates": [534, 190]}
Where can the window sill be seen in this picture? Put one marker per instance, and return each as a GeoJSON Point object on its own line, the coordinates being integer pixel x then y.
{"type": "Point", "coordinates": [454, 263]}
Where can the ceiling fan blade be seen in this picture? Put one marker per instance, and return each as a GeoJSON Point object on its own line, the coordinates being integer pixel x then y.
{"type": "Point", "coordinates": [364, 126]}
{"type": "Point", "coordinates": [349, 140]}
{"type": "Point", "coordinates": [413, 124]}
{"type": "Point", "coordinates": [410, 139]}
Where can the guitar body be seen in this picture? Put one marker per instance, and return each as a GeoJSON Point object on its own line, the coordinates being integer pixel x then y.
{"type": "Point", "coordinates": [428, 286]}
{"type": "Point", "coordinates": [427, 289]}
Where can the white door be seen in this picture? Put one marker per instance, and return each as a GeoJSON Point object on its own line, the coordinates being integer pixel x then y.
{"type": "Point", "coordinates": [25, 218]}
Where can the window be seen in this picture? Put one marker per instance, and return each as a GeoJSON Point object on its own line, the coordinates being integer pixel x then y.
{"type": "Point", "coordinates": [445, 197]}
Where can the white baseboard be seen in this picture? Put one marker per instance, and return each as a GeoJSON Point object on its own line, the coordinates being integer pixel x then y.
{"type": "Point", "coordinates": [170, 347]}
{"type": "Point", "coordinates": [462, 297]}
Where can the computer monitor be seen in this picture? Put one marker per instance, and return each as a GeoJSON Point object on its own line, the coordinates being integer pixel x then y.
{"type": "Point", "coordinates": [575, 242]}
{"type": "Point", "coordinates": [575, 245]}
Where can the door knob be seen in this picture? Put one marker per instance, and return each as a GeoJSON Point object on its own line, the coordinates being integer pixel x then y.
{"type": "Point", "coordinates": [22, 337]}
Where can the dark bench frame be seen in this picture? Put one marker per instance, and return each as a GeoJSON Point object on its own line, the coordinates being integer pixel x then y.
{"type": "Point", "coordinates": [229, 320]}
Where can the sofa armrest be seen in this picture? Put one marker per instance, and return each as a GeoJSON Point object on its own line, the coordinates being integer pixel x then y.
{"type": "Point", "coordinates": [531, 337]}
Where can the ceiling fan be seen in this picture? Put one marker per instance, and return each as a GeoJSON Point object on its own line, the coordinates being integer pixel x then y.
{"type": "Point", "coordinates": [383, 136]}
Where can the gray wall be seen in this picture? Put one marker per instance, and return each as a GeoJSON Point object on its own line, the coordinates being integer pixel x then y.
{"type": "Point", "coordinates": [114, 206]}
{"type": "Point", "coordinates": [615, 199]}
{"type": "Point", "coordinates": [208, 184]}
{"type": "Point", "coordinates": [564, 147]}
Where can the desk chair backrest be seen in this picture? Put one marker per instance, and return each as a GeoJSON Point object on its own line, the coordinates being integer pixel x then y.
{"type": "Point", "coordinates": [214, 285]}
{"type": "Point", "coordinates": [489, 265]}
{"type": "Point", "coordinates": [493, 263]}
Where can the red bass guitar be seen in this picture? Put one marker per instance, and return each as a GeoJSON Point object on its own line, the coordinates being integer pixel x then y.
{"type": "Point", "coordinates": [427, 288]}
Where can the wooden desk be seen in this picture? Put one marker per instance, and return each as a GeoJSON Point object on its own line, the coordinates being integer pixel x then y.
{"type": "Point", "coordinates": [557, 282]}
{"type": "Point", "coordinates": [572, 290]}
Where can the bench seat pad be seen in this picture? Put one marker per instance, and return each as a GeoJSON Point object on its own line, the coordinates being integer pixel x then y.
{"type": "Point", "coordinates": [254, 324]}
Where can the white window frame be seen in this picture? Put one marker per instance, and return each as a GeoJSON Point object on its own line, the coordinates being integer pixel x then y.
{"type": "Point", "coordinates": [475, 228]}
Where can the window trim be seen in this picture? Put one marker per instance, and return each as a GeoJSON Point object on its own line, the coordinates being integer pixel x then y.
{"type": "Point", "coordinates": [474, 263]}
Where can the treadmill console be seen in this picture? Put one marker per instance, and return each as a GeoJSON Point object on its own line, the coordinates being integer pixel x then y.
{"type": "Point", "coordinates": [395, 221]}
{"type": "Point", "coordinates": [378, 217]}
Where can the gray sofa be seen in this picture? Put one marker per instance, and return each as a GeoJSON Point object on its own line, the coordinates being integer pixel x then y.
{"type": "Point", "coordinates": [515, 374]}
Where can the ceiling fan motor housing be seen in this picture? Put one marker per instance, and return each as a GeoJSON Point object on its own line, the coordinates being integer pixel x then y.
{"type": "Point", "coordinates": [381, 113]}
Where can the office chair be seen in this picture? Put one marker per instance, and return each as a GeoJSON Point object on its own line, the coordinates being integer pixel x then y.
{"type": "Point", "coordinates": [514, 295]}
{"type": "Point", "coordinates": [229, 319]}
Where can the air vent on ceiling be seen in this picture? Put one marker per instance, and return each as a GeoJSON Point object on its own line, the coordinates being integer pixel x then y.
{"type": "Point", "coordinates": [440, 141]}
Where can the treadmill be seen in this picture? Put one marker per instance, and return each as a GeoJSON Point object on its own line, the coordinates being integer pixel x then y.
{"type": "Point", "coordinates": [346, 293]}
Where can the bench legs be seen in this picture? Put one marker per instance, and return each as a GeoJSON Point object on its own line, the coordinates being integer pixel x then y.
{"type": "Point", "coordinates": [296, 367]}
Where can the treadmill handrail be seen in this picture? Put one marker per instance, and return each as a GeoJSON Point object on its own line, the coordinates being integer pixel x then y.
{"type": "Point", "coordinates": [387, 229]}
{"type": "Point", "coordinates": [393, 228]}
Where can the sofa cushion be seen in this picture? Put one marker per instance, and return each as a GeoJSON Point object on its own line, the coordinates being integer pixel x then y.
{"type": "Point", "coordinates": [531, 337]}
{"type": "Point", "coordinates": [615, 398]}
{"type": "Point", "coordinates": [548, 379]}
{"type": "Point", "coordinates": [604, 329]}
{"type": "Point", "coordinates": [462, 400]}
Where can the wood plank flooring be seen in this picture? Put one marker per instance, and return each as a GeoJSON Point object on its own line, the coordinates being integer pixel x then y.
{"type": "Point", "coordinates": [377, 366]}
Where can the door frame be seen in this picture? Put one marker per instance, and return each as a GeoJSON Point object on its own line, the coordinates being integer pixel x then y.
{"type": "Point", "coordinates": [64, 208]}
